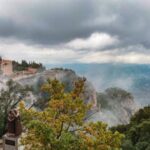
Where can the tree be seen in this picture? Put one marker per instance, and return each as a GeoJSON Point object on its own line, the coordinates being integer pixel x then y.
{"type": "Point", "coordinates": [137, 132]}
{"type": "Point", "coordinates": [24, 64]}
{"type": "Point", "coordinates": [61, 125]}
{"type": "Point", "coordinates": [9, 98]}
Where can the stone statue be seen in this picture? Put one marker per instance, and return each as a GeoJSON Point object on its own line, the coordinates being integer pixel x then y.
{"type": "Point", "coordinates": [14, 127]}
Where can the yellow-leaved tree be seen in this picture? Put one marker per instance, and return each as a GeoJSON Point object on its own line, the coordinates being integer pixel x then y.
{"type": "Point", "coordinates": [61, 125]}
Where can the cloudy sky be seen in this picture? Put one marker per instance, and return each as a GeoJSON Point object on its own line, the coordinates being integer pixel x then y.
{"type": "Point", "coordinates": [75, 31]}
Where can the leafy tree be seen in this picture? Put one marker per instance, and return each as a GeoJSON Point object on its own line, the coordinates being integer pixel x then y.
{"type": "Point", "coordinates": [9, 98]}
{"type": "Point", "coordinates": [141, 115]}
{"type": "Point", "coordinates": [61, 125]}
{"type": "Point", "coordinates": [137, 132]}
{"type": "Point", "coordinates": [24, 65]}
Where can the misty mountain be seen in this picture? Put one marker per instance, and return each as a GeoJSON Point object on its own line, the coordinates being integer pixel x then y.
{"type": "Point", "coordinates": [117, 106]}
{"type": "Point", "coordinates": [66, 76]}
{"type": "Point", "coordinates": [134, 78]}
{"type": "Point", "coordinates": [113, 106]}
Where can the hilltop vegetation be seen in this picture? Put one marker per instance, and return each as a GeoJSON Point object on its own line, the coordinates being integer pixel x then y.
{"type": "Point", "coordinates": [24, 65]}
{"type": "Point", "coordinates": [137, 132]}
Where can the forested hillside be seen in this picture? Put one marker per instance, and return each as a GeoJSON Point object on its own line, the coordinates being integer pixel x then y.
{"type": "Point", "coordinates": [137, 132]}
{"type": "Point", "coordinates": [24, 65]}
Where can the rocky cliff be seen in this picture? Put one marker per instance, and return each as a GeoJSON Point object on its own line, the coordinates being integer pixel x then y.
{"type": "Point", "coordinates": [116, 106]}
{"type": "Point", "coordinates": [67, 76]}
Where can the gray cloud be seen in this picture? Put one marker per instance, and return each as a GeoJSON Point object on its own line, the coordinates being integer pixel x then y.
{"type": "Point", "coordinates": [46, 22]}
{"type": "Point", "coordinates": [50, 22]}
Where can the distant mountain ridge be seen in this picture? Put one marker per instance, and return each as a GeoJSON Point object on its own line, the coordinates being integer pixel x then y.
{"type": "Point", "coordinates": [134, 78]}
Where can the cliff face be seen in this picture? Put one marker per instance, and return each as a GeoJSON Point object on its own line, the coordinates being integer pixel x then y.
{"type": "Point", "coordinates": [116, 106]}
{"type": "Point", "coordinates": [68, 77]}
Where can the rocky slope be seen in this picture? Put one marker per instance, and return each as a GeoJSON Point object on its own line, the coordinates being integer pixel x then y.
{"type": "Point", "coordinates": [115, 105]}
{"type": "Point", "coordinates": [68, 77]}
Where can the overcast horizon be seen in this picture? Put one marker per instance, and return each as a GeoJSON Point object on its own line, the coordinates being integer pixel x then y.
{"type": "Point", "coordinates": [81, 31]}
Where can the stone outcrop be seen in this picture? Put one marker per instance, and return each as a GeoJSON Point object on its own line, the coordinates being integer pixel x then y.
{"type": "Point", "coordinates": [116, 106]}
{"type": "Point", "coordinates": [67, 76]}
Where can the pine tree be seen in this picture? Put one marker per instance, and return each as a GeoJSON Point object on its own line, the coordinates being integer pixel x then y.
{"type": "Point", "coordinates": [61, 125]}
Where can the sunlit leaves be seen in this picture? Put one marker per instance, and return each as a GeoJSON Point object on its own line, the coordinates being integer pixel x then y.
{"type": "Point", "coordinates": [61, 126]}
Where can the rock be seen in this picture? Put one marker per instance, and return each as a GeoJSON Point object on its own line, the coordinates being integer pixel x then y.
{"type": "Point", "coordinates": [117, 105]}
{"type": "Point", "coordinates": [67, 76]}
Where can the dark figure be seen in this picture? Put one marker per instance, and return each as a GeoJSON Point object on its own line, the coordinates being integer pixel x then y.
{"type": "Point", "coordinates": [14, 127]}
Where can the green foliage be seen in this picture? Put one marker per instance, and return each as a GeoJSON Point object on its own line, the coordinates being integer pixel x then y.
{"type": "Point", "coordinates": [24, 65]}
{"type": "Point", "coordinates": [9, 98]}
{"type": "Point", "coordinates": [137, 132]}
{"type": "Point", "coordinates": [2, 126]}
{"type": "Point", "coordinates": [141, 115]}
{"type": "Point", "coordinates": [61, 126]}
